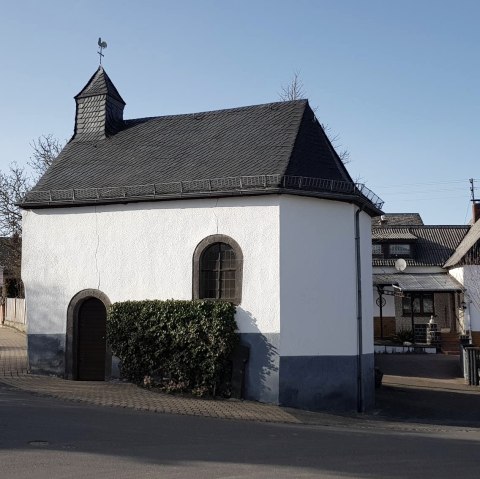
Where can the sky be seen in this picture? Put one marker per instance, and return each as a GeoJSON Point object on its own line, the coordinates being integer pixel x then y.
{"type": "Point", "coordinates": [397, 82]}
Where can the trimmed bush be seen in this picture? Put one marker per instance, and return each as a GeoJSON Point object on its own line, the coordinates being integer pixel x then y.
{"type": "Point", "coordinates": [184, 345]}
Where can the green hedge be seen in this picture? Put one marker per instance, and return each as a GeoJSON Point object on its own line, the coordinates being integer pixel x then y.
{"type": "Point", "coordinates": [184, 345]}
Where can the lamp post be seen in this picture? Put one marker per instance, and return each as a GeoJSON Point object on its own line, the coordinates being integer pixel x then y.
{"type": "Point", "coordinates": [381, 303]}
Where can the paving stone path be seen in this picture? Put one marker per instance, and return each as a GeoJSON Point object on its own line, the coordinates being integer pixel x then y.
{"type": "Point", "coordinates": [14, 369]}
{"type": "Point", "coordinates": [14, 374]}
{"type": "Point", "coordinates": [130, 396]}
{"type": "Point", "coordinates": [13, 353]}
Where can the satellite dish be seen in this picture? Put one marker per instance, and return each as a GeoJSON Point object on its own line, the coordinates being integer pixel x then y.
{"type": "Point", "coordinates": [400, 264]}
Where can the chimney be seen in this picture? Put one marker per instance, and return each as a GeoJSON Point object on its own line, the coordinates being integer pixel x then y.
{"type": "Point", "coordinates": [99, 112]}
{"type": "Point", "coordinates": [475, 211]}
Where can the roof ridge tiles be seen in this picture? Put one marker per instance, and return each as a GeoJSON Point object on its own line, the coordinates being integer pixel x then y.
{"type": "Point", "coordinates": [216, 112]}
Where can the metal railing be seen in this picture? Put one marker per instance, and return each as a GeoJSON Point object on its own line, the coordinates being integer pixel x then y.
{"type": "Point", "coordinates": [208, 186]}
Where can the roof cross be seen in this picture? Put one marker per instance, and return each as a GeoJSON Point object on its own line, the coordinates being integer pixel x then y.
{"type": "Point", "coordinates": [102, 45]}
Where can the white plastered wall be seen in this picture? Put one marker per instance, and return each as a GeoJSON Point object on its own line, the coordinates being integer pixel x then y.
{"type": "Point", "coordinates": [468, 276]}
{"type": "Point", "coordinates": [389, 309]}
{"type": "Point", "coordinates": [318, 281]}
{"type": "Point", "coordinates": [144, 251]}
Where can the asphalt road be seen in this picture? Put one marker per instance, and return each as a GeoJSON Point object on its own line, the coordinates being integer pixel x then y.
{"type": "Point", "coordinates": [48, 438]}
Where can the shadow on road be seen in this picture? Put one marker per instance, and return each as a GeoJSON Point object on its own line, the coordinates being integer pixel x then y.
{"type": "Point", "coordinates": [89, 441]}
{"type": "Point", "coordinates": [420, 405]}
{"type": "Point", "coordinates": [434, 366]}
{"type": "Point", "coordinates": [426, 388]}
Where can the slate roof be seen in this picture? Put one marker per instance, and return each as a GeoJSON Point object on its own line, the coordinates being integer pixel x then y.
{"type": "Point", "coordinates": [398, 219]}
{"type": "Point", "coordinates": [100, 84]}
{"type": "Point", "coordinates": [246, 141]}
{"type": "Point", "coordinates": [467, 243]}
{"type": "Point", "coordinates": [433, 247]}
{"type": "Point", "coordinates": [270, 148]}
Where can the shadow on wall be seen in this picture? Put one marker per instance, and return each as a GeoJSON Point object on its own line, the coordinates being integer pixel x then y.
{"type": "Point", "coordinates": [262, 372]}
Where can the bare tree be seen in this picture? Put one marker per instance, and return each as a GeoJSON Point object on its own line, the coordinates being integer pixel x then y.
{"type": "Point", "coordinates": [45, 149]}
{"type": "Point", "coordinates": [295, 91]}
{"type": "Point", "coordinates": [14, 184]}
{"type": "Point", "coordinates": [334, 138]}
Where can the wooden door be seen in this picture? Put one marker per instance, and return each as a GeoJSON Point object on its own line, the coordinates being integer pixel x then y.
{"type": "Point", "coordinates": [91, 344]}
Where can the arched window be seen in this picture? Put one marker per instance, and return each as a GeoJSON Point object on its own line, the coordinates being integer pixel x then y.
{"type": "Point", "coordinates": [217, 274]}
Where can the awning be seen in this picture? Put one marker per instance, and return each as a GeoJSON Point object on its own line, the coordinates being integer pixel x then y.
{"type": "Point", "coordinates": [441, 282]}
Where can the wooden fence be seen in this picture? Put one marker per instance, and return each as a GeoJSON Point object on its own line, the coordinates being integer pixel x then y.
{"type": "Point", "coordinates": [14, 313]}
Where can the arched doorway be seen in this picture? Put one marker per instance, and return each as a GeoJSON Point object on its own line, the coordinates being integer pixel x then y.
{"type": "Point", "coordinates": [87, 355]}
{"type": "Point", "coordinates": [91, 344]}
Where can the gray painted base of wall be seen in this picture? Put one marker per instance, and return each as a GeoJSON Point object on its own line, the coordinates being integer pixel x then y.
{"type": "Point", "coordinates": [261, 377]}
{"type": "Point", "coordinates": [46, 353]}
{"type": "Point", "coordinates": [321, 383]}
{"type": "Point", "coordinates": [306, 382]}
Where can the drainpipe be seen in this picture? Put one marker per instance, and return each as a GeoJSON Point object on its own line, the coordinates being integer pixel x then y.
{"type": "Point", "coordinates": [358, 271]}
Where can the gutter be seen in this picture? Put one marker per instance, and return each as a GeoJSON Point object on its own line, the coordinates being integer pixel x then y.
{"type": "Point", "coordinates": [358, 274]}
{"type": "Point", "coordinates": [363, 203]}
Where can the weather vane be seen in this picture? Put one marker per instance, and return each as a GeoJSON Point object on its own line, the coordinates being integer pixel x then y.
{"type": "Point", "coordinates": [102, 45]}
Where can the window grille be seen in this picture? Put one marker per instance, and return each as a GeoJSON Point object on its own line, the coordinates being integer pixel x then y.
{"type": "Point", "coordinates": [217, 272]}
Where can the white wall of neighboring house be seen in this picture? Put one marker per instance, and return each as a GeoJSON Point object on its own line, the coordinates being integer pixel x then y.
{"type": "Point", "coordinates": [389, 308]}
{"type": "Point", "coordinates": [469, 277]}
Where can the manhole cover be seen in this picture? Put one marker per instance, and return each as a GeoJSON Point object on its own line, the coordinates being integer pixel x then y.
{"type": "Point", "coordinates": [38, 443]}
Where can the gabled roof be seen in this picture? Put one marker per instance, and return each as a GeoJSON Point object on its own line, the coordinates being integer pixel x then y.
{"type": "Point", "coordinates": [398, 219]}
{"type": "Point", "coordinates": [434, 244]}
{"type": "Point", "coordinates": [100, 84]}
{"type": "Point", "coordinates": [271, 148]}
{"type": "Point", "coordinates": [467, 243]}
